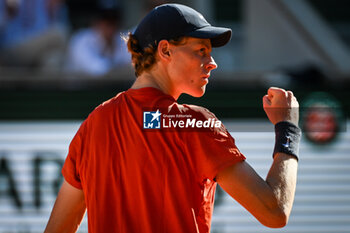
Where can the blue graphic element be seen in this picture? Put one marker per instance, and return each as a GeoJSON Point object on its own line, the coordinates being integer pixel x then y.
{"type": "Point", "coordinates": [151, 120]}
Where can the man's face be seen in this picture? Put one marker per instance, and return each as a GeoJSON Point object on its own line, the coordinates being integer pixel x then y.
{"type": "Point", "coordinates": [190, 66]}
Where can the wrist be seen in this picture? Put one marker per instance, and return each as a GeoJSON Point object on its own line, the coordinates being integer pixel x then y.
{"type": "Point", "coordinates": [287, 138]}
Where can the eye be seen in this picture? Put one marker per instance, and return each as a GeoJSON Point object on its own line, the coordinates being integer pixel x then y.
{"type": "Point", "coordinates": [203, 51]}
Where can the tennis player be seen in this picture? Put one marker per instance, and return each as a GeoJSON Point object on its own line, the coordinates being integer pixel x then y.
{"type": "Point", "coordinates": [141, 162]}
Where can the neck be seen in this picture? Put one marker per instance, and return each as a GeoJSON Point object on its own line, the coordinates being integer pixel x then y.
{"type": "Point", "coordinates": [156, 79]}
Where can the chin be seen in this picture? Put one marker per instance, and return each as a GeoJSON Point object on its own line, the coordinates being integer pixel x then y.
{"type": "Point", "coordinates": [198, 93]}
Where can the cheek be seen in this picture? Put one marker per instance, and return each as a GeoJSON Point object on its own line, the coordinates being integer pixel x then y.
{"type": "Point", "coordinates": [187, 68]}
{"type": "Point", "coordinates": [183, 68]}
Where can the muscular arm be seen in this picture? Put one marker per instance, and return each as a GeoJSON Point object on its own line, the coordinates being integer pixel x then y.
{"type": "Point", "coordinates": [270, 200]}
{"type": "Point", "coordinates": [68, 211]}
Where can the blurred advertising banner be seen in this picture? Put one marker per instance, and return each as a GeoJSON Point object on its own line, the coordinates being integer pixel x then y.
{"type": "Point", "coordinates": [31, 158]}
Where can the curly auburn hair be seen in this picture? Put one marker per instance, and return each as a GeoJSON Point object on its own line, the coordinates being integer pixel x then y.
{"type": "Point", "coordinates": [144, 59]}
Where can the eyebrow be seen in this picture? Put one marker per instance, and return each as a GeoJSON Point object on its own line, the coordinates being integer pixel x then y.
{"type": "Point", "coordinates": [204, 44]}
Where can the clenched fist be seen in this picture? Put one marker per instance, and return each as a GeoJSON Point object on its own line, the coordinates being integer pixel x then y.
{"type": "Point", "coordinates": [281, 105]}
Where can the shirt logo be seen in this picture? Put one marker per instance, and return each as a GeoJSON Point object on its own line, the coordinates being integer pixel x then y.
{"type": "Point", "coordinates": [151, 120]}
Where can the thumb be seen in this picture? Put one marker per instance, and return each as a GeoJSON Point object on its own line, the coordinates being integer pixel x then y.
{"type": "Point", "coordinates": [266, 101]}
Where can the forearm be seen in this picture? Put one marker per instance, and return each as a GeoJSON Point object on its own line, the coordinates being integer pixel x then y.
{"type": "Point", "coordinates": [270, 200]}
{"type": "Point", "coordinates": [282, 178]}
{"type": "Point", "coordinates": [65, 222]}
{"type": "Point", "coordinates": [68, 211]}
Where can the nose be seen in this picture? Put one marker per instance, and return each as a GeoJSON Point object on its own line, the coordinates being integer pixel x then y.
{"type": "Point", "coordinates": [211, 65]}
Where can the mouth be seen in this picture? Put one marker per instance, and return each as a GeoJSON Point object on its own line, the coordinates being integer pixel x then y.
{"type": "Point", "coordinates": [206, 78]}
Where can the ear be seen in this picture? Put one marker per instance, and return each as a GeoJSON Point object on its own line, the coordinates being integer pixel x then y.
{"type": "Point", "coordinates": [163, 50]}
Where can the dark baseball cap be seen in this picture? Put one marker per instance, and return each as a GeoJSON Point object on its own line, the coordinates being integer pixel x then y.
{"type": "Point", "coordinates": [170, 21]}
